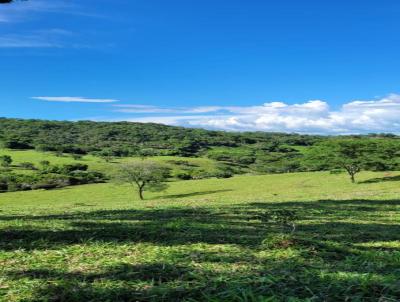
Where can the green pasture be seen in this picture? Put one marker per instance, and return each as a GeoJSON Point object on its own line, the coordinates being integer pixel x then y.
{"type": "Point", "coordinates": [203, 240]}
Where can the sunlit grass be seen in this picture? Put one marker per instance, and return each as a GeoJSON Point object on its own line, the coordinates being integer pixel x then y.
{"type": "Point", "coordinates": [203, 241]}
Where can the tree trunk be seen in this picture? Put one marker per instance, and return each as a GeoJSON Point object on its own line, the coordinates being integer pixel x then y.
{"type": "Point", "coordinates": [352, 178]}
{"type": "Point", "coordinates": [141, 193]}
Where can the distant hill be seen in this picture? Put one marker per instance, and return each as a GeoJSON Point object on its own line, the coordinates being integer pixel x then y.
{"type": "Point", "coordinates": [262, 152]}
{"type": "Point", "coordinates": [127, 139]}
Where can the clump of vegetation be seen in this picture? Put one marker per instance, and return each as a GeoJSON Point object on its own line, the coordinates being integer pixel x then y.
{"type": "Point", "coordinates": [48, 177]}
{"type": "Point", "coordinates": [285, 218]}
{"type": "Point", "coordinates": [27, 165]}
{"type": "Point", "coordinates": [5, 161]}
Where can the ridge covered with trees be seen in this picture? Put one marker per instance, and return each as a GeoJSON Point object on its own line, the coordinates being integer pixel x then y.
{"type": "Point", "coordinates": [131, 139]}
{"type": "Point", "coordinates": [232, 153]}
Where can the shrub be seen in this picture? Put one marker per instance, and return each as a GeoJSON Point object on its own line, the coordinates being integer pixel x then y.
{"type": "Point", "coordinates": [223, 174]}
{"type": "Point", "coordinates": [283, 217]}
{"type": "Point", "coordinates": [76, 156]}
{"type": "Point", "coordinates": [5, 160]}
{"type": "Point", "coordinates": [184, 175]}
{"type": "Point", "coordinates": [44, 164]}
{"type": "Point", "coordinates": [85, 177]}
{"type": "Point", "coordinates": [16, 144]}
{"type": "Point", "coordinates": [27, 165]}
{"type": "Point", "coordinates": [66, 169]}
{"type": "Point", "coordinates": [49, 182]}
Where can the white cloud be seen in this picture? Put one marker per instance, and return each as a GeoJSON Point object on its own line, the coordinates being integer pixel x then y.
{"type": "Point", "coordinates": [155, 109]}
{"type": "Point", "coordinates": [43, 38]}
{"type": "Point", "coordinates": [314, 116]}
{"type": "Point", "coordinates": [25, 10]}
{"type": "Point", "coordinates": [72, 99]}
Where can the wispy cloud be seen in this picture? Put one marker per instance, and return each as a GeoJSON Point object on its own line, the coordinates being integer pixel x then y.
{"type": "Point", "coordinates": [155, 109]}
{"type": "Point", "coordinates": [15, 36]}
{"type": "Point", "coordinates": [24, 10]}
{"type": "Point", "coordinates": [314, 116]}
{"type": "Point", "coordinates": [72, 99]}
{"type": "Point", "coordinates": [43, 38]}
{"type": "Point", "coordinates": [25, 41]}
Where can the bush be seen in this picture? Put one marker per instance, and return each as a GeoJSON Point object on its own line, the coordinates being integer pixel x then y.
{"type": "Point", "coordinates": [223, 174]}
{"type": "Point", "coordinates": [184, 175]}
{"type": "Point", "coordinates": [50, 181]}
{"type": "Point", "coordinates": [77, 156]}
{"type": "Point", "coordinates": [283, 217]}
{"type": "Point", "coordinates": [16, 182]}
{"type": "Point", "coordinates": [45, 164]}
{"type": "Point", "coordinates": [27, 165]}
{"type": "Point", "coordinates": [5, 160]}
{"type": "Point", "coordinates": [16, 144]}
{"type": "Point", "coordinates": [85, 177]}
{"type": "Point", "coordinates": [66, 169]}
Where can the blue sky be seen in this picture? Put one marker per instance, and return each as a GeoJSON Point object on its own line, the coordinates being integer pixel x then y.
{"type": "Point", "coordinates": [295, 66]}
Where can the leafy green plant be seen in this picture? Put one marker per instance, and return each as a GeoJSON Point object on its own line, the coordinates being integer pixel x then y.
{"type": "Point", "coordinates": [5, 160]}
{"type": "Point", "coordinates": [27, 165]}
{"type": "Point", "coordinates": [283, 217]}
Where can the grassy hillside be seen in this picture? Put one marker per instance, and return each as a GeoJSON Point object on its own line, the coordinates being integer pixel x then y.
{"type": "Point", "coordinates": [98, 164]}
{"type": "Point", "coordinates": [204, 240]}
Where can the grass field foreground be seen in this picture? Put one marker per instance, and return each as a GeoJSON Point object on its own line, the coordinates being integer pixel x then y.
{"type": "Point", "coordinates": [204, 240]}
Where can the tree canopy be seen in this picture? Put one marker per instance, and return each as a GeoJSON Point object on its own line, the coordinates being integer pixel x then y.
{"type": "Point", "coordinates": [144, 175]}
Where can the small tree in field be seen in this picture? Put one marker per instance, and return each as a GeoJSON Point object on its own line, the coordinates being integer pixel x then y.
{"type": "Point", "coordinates": [354, 155]}
{"type": "Point", "coordinates": [144, 175]}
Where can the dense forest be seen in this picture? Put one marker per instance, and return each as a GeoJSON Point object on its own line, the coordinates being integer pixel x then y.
{"type": "Point", "coordinates": [257, 152]}
{"type": "Point", "coordinates": [130, 139]}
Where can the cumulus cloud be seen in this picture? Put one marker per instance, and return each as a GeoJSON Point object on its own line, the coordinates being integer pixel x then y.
{"type": "Point", "coordinates": [72, 99]}
{"type": "Point", "coordinates": [314, 116]}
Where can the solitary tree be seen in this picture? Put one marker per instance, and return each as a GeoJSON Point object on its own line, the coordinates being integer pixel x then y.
{"type": "Point", "coordinates": [5, 160]}
{"type": "Point", "coordinates": [144, 175]}
{"type": "Point", "coordinates": [352, 155]}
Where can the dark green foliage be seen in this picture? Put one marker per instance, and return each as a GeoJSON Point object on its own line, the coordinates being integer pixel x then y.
{"type": "Point", "coordinates": [27, 165]}
{"type": "Point", "coordinates": [77, 156]}
{"type": "Point", "coordinates": [44, 164]}
{"type": "Point", "coordinates": [18, 144]}
{"type": "Point", "coordinates": [132, 139]}
{"type": "Point", "coordinates": [5, 160]}
{"type": "Point", "coordinates": [355, 154]}
{"type": "Point", "coordinates": [243, 152]}
{"type": "Point", "coordinates": [49, 177]}
{"type": "Point", "coordinates": [283, 217]}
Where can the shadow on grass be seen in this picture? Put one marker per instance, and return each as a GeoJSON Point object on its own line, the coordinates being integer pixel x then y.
{"type": "Point", "coordinates": [285, 280]}
{"type": "Point", "coordinates": [328, 258]}
{"type": "Point", "coordinates": [173, 226]}
{"type": "Point", "coordinates": [192, 194]}
{"type": "Point", "coordinates": [341, 221]}
{"type": "Point", "coordinates": [381, 179]}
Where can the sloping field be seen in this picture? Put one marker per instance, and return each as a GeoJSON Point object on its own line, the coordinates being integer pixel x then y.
{"type": "Point", "coordinates": [205, 240]}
